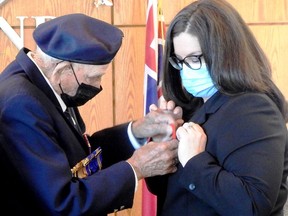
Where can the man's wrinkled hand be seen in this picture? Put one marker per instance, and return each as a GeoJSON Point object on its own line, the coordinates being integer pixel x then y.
{"type": "Point", "coordinates": [155, 159]}
{"type": "Point", "coordinates": [159, 123]}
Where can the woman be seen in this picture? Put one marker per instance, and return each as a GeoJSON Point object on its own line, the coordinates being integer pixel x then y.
{"type": "Point", "coordinates": [233, 151]}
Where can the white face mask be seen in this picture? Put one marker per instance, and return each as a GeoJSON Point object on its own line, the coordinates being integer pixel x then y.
{"type": "Point", "coordinates": [198, 82]}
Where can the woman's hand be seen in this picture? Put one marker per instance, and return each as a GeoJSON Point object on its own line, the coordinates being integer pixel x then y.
{"type": "Point", "coordinates": [192, 141]}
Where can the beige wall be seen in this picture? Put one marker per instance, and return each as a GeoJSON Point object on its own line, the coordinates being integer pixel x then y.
{"type": "Point", "coordinates": [122, 98]}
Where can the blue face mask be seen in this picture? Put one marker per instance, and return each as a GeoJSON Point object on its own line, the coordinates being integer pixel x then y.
{"type": "Point", "coordinates": [198, 82]}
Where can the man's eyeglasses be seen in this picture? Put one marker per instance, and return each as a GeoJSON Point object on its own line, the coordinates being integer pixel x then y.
{"type": "Point", "coordinates": [192, 61]}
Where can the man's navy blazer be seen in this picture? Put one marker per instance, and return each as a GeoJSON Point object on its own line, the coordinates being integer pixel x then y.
{"type": "Point", "coordinates": [38, 147]}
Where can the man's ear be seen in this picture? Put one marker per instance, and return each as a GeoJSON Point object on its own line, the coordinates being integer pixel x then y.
{"type": "Point", "coordinates": [58, 70]}
{"type": "Point", "coordinates": [57, 73]}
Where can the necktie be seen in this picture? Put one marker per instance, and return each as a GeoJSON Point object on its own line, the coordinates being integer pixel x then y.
{"type": "Point", "coordinates": [69, 113]}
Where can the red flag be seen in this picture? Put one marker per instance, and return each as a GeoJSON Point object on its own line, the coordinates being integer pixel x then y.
{"type": "Point", "coordinates": [155, 37]}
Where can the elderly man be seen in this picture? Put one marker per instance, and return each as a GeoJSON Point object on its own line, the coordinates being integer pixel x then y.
{"type": "Point", "coordinates": [49, 165]}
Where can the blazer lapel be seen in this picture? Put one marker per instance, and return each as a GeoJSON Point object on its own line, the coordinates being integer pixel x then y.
{"type": "Point", "coordinates": [38, 80]}
{"type": "Point", "coordinates": [208, 108]}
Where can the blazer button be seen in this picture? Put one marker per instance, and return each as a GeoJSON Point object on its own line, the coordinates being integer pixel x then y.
{"type": "Point", "coordinates": [192, 186]}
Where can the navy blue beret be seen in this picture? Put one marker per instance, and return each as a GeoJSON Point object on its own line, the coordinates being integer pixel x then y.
{"type": "Point", "coordinates": [79, 38]}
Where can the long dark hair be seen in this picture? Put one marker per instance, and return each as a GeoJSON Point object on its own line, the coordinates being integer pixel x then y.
{"type": "Point", "coordinates": [236, 62]}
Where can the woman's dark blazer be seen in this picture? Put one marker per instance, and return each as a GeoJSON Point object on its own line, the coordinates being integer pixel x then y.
{"type": "Point", "coordinates": [38, 147]}
{"type": "Point", "coordinates": [243, 169]}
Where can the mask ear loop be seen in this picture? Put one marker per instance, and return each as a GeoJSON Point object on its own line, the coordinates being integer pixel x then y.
{"type": "Point", "coordinates": [61, 88]}
{"type": "Point", "coordinates": [74, 74]}
{"type": "Point", "coordinates": [57, 63]}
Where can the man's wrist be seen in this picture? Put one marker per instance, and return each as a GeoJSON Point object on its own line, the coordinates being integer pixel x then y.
{"type": "Point", "coordinates": [135, 175]}
{"type": "Point", "coordinates": [136, 142]}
